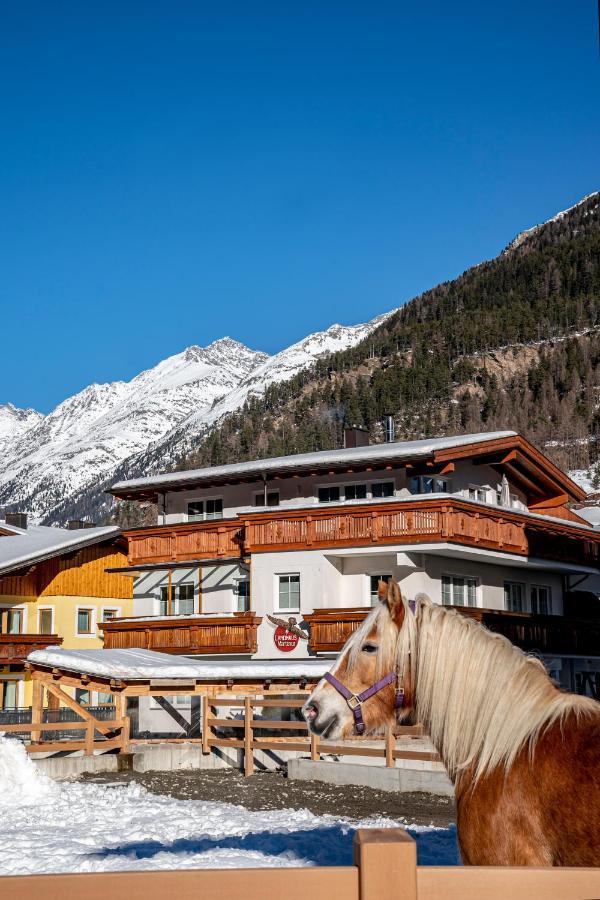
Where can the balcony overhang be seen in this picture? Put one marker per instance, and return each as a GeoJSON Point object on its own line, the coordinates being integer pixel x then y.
{"type": "Point", "coordinates": [499, 558]}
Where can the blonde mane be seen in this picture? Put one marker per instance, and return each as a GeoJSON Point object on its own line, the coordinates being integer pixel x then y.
{"type": "Point", "coordinates": [480, 698]}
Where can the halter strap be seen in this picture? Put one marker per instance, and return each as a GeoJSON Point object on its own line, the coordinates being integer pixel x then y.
{"type": "Point", "coordinates": [354, 701]}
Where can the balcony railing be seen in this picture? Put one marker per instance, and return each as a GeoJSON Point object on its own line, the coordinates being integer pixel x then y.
{"type": "Point", "coordinates": [403, 522]}
{"type": "Point", "coordinates": [15, 648]}
{"type": "Point", "coordinates": [331, 628]}
{"type": "Point", "coordinates": [184, 635]}
{"type": "Point", "coordinates": [189, 541]}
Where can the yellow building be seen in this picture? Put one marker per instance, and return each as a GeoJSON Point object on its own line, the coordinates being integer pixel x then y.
{"type": "Point", "coordinates": [54, 589]}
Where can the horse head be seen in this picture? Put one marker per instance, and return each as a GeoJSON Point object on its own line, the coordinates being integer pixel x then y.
{"type": "Point", "coordinates": [371, 682]}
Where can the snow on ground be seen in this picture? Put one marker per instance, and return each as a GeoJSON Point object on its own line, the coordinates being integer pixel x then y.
{"type": "Point", "coordinates": [76, 827]}
{"type": "Point", "coordinates": [584, 478]}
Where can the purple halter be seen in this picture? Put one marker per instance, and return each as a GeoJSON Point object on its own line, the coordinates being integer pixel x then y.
{"type": "Point", "coordinates": [354, 701]}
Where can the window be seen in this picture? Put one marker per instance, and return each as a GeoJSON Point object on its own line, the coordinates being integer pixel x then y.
{"type": "Point", "coordinates": [241, 590]}
{"type": "Point", "coordinates": [541, 600]}
{"type": "Point", "coordinates": [355, 492]}
{"type": "Point", "coordinates": [374, 586]}
{"type": "Point", "coordinates": [45, 621]}
{"type": "Point", "coordinates": [105, 699]}
{"type": "Point", "coordinates": [514, 596]}
{"type": "Point", "coordinates": [382, 489]}
{"type": "Point", "coordinates": [199, 510]}
{"type": "Point", "coordinates": [427, 484]}
{"type": "Point", "coordinates": [9, 694]}
{"type": "Point", "coordinates": [109, 614]}
{"type": "Point", "coordinates": [14, 621]}
{"type": "Point", "coordinates": [479, 494]}
{"type": "Point", "coordinates": [459, 591]}
{"type": "Point", "coordinates": [272, 498]}
{"type": "Point", "coordinates": [185, 599]}
{"type": "Point", "coordinates": [85, 619]}
{"type": "Point", "coordinates": [329, 494]}
{"type": "Point", "coordinates": [289, 593]}
{"type": "Point", "coordinates": [195, 511]}
{"type": "Point", "coordinates": [84, 698]}
{"type": "Point", "coordinates": [163, 601]}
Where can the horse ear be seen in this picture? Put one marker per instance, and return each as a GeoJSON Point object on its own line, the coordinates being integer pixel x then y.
{"type": "Point", "coordinates": [391, 595]}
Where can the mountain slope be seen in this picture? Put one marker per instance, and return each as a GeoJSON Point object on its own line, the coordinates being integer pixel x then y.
{"type": "Point", "coordinates": [52, 465]}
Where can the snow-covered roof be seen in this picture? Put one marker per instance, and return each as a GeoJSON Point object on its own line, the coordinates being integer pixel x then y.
{"type": "Point", "coordinates": [131, 665]}
{"type": "Point", "coordinates": [26, 546]}
{"type": "Point", "coordinates": [397, 450]}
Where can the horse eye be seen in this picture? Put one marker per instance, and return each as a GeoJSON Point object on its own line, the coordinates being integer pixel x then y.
{"type": "Point", "coordinates": [369, 648]}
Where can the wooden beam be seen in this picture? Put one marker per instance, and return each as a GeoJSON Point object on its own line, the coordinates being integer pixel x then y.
{"type": "Point", "coordinates": [77, 708]}
{"type": "Point", "coordinates": [550, 502]}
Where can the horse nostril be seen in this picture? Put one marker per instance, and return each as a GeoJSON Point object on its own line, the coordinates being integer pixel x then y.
{"type": "Point", "coordinates": [310, 711]}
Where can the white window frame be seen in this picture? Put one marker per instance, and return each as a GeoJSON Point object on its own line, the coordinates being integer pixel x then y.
{"type": "Point", "coordinates": [537, 587]}
{"type": "Point", "coordinates": [205, 517]}
{"type": "Point", "coordinates": [329, 485]}
{"type": "Point", "coordinates": [523, 586]}
{"type": "Point", "coordinates": [7, 607]}
{"type": "Point", "coordinates": [242, 579]}
{"type": "Point", "coordinates": [379, 574]}
{"type": "Point", "coordinates": [382, 481]}
{"type": "Point", "coordinates": [285, 609]}
{"type": "Point", "coordinates": [94, 624]}
{"type": "Point", "coordinates": [53, 620]}
{"type": "Point", "coordinates": [465, 578]}
{"type": "Point", "coordinates": [437, 478]}
{"type": "Point", "coordinates": [20, 680]}
{"type": "Point", "coordinates": [354, 484]}
{"type": "Point", "coordinates": [116, 609]}
{"type": "Point", "coordinates": [176, 599]}
{"type": "Point", "coordinates": [477, 488]}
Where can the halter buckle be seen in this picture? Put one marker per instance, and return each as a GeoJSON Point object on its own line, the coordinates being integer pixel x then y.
{"type": "Point", "coordinates": [353, 702]}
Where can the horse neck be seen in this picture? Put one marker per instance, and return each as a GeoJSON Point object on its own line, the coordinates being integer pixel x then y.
{"type": "Point", "coordinates": [479, 697]}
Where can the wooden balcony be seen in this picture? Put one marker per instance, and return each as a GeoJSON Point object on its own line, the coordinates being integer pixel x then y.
{"type": "Point", "coordinates": [187, 541]}
{"type": "Point", "coordinates": [15, 648]}
{"type": "Point", "coordinates": [184, 635]}
{"type": "Point", "coordinates": [330, 629]}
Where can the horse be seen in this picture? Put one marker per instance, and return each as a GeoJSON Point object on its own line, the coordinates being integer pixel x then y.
{"type": "Point", "coordinates": [524, 756]}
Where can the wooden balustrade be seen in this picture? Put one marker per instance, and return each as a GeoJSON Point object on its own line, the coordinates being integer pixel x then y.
{"type": "Point", "coordinates": [188, 541]}
{"type": "Point", "coordinates": [185, 634]}
{"type": "Point", "coordinates": [398, 522]}
{"type": "Point", "coordinates": [15, 648]}
{"type": "Point", "coordinates": [331, 628]}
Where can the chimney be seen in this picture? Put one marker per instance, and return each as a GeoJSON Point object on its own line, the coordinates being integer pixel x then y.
{"type": "Point", "coordinates": [76, 524]}
{"type": "Point", "coordinates": [354, 436]}
{"type": "Point", "coordinates": [18, 519]}
{"type": "Point", "coordinates": [389, 428]}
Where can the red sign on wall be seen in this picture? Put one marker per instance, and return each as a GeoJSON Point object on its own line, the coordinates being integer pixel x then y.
{"type": "Point", "coordinates": [285, 640]}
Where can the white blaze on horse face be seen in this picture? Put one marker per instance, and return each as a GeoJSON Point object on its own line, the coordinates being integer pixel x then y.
{"type": "Point", "coordinates": [326, 712]}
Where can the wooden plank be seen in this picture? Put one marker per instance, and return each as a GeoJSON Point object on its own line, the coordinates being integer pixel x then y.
{"type": "Point", "coordinates": [324, 883]}
{"type": "Point", "coordinates": [54, 726]}
{"type": "Point", "coordinates": [37, 708]}
{"type": "Point", "coordinates": [387, 864]}
{"type": "Point", "coordinates": [80, 710]}
{"type": "Point", "coordinates": [226, 742]}
{"type": "Point", "coordinates": [248, 754]}
{"type": "Point", "coordinates": [71, 746]}
{"type": "Point", "coordinates": [501, 883]}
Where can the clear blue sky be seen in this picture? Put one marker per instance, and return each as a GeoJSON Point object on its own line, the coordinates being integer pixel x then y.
{"type": "Point", "coordinates": [172, 172]}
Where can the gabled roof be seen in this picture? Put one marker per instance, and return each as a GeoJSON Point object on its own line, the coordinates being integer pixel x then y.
{"type": "Point", "coordinates": [496, 445]}
{"type": "Point", "coordinates": [21, 547]}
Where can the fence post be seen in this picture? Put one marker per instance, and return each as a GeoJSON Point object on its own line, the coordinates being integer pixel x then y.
{"type": "Point", "coordinates": [89, 738]}
{"type": "Point", "coordinates": [206, 729]}
{"type": "Point", "coordinates": [37, 708]}
{"type": "Point", "coordinates": [390, 746]}
{"type": "Point", "coordinates": [314, 747]}
{"type": "Point", "coordinates": [387, 864]}
{"type": "Point", "coordinates": [248, 753]}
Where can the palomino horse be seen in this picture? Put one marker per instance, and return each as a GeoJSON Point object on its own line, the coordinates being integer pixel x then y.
{"type": "Point", "coordinates": [523, 755]}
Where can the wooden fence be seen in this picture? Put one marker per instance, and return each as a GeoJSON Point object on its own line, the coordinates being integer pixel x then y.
{"type": "Point", "coordinates": [387, 748]}
{"type": "Point", "coordinates": [385, 868]}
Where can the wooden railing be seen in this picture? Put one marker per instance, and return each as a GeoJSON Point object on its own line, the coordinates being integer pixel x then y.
{"type": "Point", "coordinates": [189, 634]}
{"type": "Point", "coordinates": [331, 628]}
{"type": "Point", "coordinates": [386, 747]}
{"type": "Point", "coordinates": [15, 648]}
{"type": "Point", "coordinates": [188, 541]}
{"type": "Point", "coordinates": [385, 868]}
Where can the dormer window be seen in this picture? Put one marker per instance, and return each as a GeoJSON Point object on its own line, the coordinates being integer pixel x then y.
{"type": "Point", "coordinates": [382, 489]}
{"type": "Point", "coordinates": [477, 493]}
{"type": "Point", "coordinates": [329, 494]}
{"type": "Point", "coordinates": [272, 498]}
{"type": "Point", "coordinates": [355, 492]}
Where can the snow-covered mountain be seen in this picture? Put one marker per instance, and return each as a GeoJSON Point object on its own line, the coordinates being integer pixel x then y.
{"type": "Point", "coordinates": [523, 236]}
{"type": "Point", "coordinates": [50, 464]}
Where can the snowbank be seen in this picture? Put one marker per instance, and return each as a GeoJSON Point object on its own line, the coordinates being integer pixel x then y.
{"type": "Point", "coordinates": [75, 827]}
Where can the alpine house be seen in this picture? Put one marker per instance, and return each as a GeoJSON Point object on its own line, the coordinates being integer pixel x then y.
{"type": "Point", "coordinates": [280, 558]}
